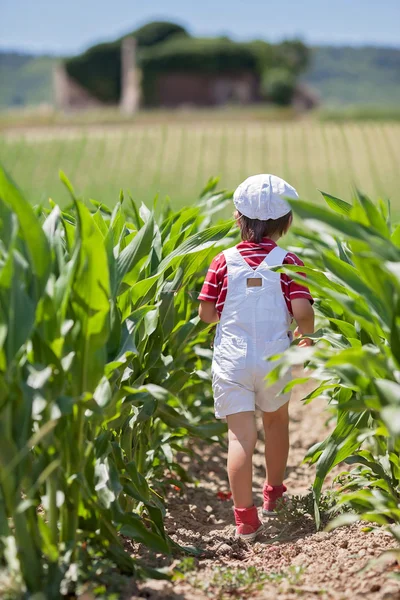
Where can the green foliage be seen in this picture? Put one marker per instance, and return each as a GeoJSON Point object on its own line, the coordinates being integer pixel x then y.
{"type": "Point", "coordinates": [199, 55]}
{"type": "Point", "coordinates": [228, 580]}
{"type": "Point", "coordinates": [265, 53]}
{"type": "Point", "coordinates": [100, 377]}
{"type": "Point", "coordinates": [355, 253]}
{"type": "Point", "coordinates": [278, 86]}
{"type": "Point", "coordinates": [299, 510]}
{"type": "Point", "coordinates": [293, 55]}
{"type": "Point", "coordinates": [225, 581]}
{"type": "Point", "coordinates": [156, 32]}
{"type": "Point", "coordinates": [99, 71]}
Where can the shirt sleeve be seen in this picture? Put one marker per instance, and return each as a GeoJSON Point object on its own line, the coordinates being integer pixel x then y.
{"type": "Point", "coordinates": [213, 282]}
{"type": "Point", "coordinates": [295, 289]}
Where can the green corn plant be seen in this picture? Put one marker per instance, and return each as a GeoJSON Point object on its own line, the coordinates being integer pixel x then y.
{"type": "Point", "coordinates": [354, 255]}
{"type": "Point", "coordinates": [101, 372]}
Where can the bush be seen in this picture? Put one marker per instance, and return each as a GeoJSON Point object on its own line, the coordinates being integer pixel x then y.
{"type": "Point", "coordinates": [219, 55]}
{"type": "Point", "coordinates": [294, 56]}
{"type": "Point", "coordinates": [265, 53]}
{"type": "Point", "coordinates": [278, 86]}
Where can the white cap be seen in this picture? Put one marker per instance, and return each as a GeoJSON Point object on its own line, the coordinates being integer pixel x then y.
{"type": "Point", "coordinates": [263, 197]}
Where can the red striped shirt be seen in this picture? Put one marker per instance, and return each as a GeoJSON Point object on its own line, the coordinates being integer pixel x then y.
{"type": "Point", "coordinates": [215, 285]}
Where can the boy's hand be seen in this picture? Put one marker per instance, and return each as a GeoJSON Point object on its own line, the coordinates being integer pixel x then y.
{"type": "Point", "coordinates": [305, 341]}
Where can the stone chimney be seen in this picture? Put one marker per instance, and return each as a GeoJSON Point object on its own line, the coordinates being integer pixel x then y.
{"type": "Point", "coordinates": [60, 87]}
{"type": "Point", "coordinates": [130, 92]}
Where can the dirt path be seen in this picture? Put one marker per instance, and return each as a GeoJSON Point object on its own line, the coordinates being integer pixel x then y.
{"type": "Point", "coordinates": [290, 560]}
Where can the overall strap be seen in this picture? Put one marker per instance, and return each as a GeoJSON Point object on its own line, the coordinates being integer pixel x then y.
{"type": "Point", "coordinates": [276, 257]}
{"type": "Point", "coordinates": [233, 258]}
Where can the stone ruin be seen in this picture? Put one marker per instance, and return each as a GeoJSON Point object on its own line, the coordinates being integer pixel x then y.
{"type": "Point", "coordinates": [173, 89]}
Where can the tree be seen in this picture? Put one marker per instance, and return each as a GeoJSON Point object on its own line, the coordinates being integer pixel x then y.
{"type": "Point", "coordinates": [278, 85]}
{"type": "Point", "coordinates": [294, 55]}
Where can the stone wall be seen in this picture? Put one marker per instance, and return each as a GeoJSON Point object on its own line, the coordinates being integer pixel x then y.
{"type": "Point", "coordinates": [69, 95]}
{"type": "Point", "coordinates": [206, 89]}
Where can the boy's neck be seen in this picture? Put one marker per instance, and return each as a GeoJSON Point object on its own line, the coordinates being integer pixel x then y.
{"type": "Point", "coordinates": [275, 237]}
{"type": "Point", "coordinates": [271, 238]}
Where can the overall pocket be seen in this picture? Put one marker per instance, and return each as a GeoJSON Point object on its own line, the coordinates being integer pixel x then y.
{"type": "Point", "coordinates": [230, 354]}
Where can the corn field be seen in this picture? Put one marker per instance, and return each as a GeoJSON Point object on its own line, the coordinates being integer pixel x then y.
{"type": "Point", "coordinates": [354, 257]}
{"type": "Point", "coordinates": [101, 374]}
{"type": "Point", "coordinates": [105, 370]}
{"type": "Point", "coordinates": [176, 159]}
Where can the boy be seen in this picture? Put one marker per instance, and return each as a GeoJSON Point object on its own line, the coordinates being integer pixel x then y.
{"type": "Point", "coordinates": [254, 307]}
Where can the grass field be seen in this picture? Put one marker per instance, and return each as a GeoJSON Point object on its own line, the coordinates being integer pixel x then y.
{"type": "Point", "coordinates": [177, 158]}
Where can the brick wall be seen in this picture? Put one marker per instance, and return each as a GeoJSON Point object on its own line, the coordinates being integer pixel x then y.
{"type": "Point", "coordinates": [175, 89]}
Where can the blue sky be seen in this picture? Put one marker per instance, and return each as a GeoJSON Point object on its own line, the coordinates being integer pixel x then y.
{"type": "Point", "coordinates": [69, 27]}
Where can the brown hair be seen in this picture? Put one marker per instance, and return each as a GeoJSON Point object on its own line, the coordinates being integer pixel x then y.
{"type": "Point", "coordinates": [253, 230]}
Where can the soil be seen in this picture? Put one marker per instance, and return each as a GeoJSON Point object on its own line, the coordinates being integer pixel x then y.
{"type": "Point", "coordinates": [290, 559]}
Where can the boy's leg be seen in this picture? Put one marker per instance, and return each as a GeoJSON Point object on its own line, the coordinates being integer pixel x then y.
{"type": "Point", "coordinates": [242, 441]}
{"type": "Point", "coordinates": [276, 428]}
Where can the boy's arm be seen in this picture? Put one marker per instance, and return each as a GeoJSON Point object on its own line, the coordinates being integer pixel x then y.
{"type": "Point", "coordinates": [211, 290]}
{"type": "Point", "coordinates": [300, 301]}
{"type": "Point", "coordinates": [207, 312]}
{"type": "Point", "coordinates": [303, 314]}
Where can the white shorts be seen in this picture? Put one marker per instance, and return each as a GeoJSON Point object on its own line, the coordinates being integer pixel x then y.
{"type": "Point", "coordinates": [231, 397]}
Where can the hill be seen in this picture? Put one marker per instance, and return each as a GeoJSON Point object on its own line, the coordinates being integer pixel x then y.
{"type": "Point", "coordinates": [348, 75]}
{"type": "Point", "coordinates": [341, 75]}
{"type": "Point", "coordinates": [25, 79]}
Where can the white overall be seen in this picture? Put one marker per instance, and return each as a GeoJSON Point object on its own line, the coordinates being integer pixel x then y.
{"type": "Point", "coordinates": [254, 325]}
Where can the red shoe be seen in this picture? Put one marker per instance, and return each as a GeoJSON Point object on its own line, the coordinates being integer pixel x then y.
{"type": "Point", "coordinates": [248, 525]}
{"type": "Point", "coordinates": [271, 496]}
